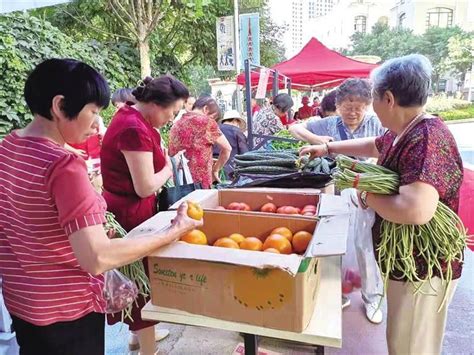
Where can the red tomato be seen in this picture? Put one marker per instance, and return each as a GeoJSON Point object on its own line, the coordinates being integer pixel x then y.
{"type": "Point", "coordinates": [234, 206]}
{"type": "Point", "coordinates": [269, 207]}
{"type": "Point", "coordinates": [347, 287]}
{"type": "Point", "coordinates": [244, 207]}
{"type": "Point", "coordinates": [356, 281]}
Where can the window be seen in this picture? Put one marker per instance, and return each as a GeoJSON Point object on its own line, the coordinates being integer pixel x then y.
{"type": "Point", "coordinates": [402, 19]}
{"type": "Point", "coordinates": [360, 24]}
{"type": "Point", "coordinates": [439, 17]}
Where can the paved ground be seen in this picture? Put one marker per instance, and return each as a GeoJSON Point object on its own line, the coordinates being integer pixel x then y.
{"type": "Point", "coordinates": [359, 335]}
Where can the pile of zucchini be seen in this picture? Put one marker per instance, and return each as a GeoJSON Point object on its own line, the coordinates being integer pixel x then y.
{"type": "Point", "coordinates": [276, 162]}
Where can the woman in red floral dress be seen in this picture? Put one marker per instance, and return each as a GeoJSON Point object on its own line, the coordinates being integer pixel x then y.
{"type": "Point", "coordinates": [195, 133]}
{"type": "Point", "coordinates": [135, 167]}
{"type": "Point", "coordinates": [422, 150]}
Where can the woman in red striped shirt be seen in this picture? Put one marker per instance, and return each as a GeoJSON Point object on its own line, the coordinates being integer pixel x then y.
{"type": "Point", "coordinates": [53, 247]}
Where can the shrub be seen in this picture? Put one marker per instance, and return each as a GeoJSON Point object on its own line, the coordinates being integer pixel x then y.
{"type": "Point", "coordinates": [26, 41]}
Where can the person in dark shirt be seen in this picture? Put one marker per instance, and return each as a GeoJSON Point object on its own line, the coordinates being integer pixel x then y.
{"type": "Point", "coordinates": [232, 126]}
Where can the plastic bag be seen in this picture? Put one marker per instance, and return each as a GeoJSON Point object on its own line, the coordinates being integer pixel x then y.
{"type": "Point", "coordinates": [360, 269]}
{"type": "Point", "coordinates": [119, 292]}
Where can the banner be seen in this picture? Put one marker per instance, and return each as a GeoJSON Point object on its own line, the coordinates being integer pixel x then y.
{"type": "Point", "coordinates": [262, 83]}
{"type": "Point", "coordinates": [225, 43]}
{"type": "Point", "coordinates": [250, 38]}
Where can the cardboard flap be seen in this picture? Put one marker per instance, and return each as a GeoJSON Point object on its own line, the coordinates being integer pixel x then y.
{"type": "Point", "coordinates": [330, 237]}
{"type": "Point", "coordinates": [331, 205]}
{"type": "Point", "coordinates": [181, 250]}
{"type": "Point", "coordinates": [206, 198]}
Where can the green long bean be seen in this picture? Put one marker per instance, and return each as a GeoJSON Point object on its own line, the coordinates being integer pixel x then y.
{"type": "Point", "coordinates": [442, 238]}
{"type": "Point", "coordinates": [134, 271]}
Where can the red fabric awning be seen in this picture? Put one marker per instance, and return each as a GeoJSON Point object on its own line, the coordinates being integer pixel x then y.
{"type": "Point", "coordinates": [316, 66]}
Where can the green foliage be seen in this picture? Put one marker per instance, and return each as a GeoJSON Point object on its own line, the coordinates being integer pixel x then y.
{"type": "Point", "coordinates": [283, 145]}
{"type": "Point", "coordinates": [385, 42]}
{"type": "Point", "coordinates": [183, 39]}
{"type": "Point", "coordinates": [272, 50]}
{"type": "Point", "coordinates": [25, 41]}
{"type": "Point", "coordinates": [458, 114]}
{"type": "Point", "coordinates": [435, 44]}
{"type": "Point", "coordinates": [460, 53]}
{"type": "Point", "coordinates": [442, 104]}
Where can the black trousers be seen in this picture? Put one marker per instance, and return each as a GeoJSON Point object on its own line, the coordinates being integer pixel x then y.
{"type": "Point", "coordinates": [84, 336]}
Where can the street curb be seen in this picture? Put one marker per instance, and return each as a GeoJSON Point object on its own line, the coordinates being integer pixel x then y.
{"type": "Point", "coordinates": [466, 120]}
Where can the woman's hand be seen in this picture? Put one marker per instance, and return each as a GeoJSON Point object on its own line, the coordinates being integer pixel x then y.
{"type": "Point", "coordinates": [314, 151]}
{"type": "Point", "coordinates": [325, 139]}
{"type": "Point", "coordinates": [215, 177]}
{"type": "Point", "coordinates": [183, 224]}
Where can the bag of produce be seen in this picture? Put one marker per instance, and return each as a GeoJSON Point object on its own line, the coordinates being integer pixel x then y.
{"type": "Point", "coordinates": [119, 292]}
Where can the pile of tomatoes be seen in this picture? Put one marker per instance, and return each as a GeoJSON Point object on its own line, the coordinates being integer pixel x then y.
{"type": "Point", "coordinates": [308, 210]}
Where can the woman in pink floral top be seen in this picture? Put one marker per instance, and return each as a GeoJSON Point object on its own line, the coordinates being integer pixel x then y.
{"type": "Point", "coordinates": [422, 150]}
{"type": "Point", "coordinates": [195, 133]}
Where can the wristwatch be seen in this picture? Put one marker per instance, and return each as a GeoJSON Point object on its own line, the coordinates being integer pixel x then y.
{"type": "Point", "coordinates": [363, 199]}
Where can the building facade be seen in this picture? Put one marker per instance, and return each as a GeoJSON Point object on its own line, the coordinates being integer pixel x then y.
{"type": "Point", "coordinates": [347, 17]}
{"type": "Point", "coordinates": [419, 15]}
{"type": "Point", "coordinates": [304, 17]}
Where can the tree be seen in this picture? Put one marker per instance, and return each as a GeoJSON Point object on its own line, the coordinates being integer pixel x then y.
{"type": "Point", "coordinates": [140, 18]}
{"type": "Point", "coordinates": [460, 53]}
{"type": "Point", "coordinates": [272, 50]}
{"type": "Point", "coordinates": [385, 42]}
{"type": "Point", "coordinates": [435, 47]}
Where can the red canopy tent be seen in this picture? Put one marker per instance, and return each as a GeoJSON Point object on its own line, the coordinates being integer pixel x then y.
{"type": "Point", "coordinates": [316, 66]}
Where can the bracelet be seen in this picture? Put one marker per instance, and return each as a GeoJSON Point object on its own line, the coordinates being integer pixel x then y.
{"type": "Point", "coordinates": [363, 199]}
{"type": "Point", "coordinates": [327, 148]}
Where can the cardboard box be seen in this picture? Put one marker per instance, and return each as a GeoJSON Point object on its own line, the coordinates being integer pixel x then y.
{"type": "Point", "coordinates": [263, 289]}
{"type": "Point", "coordinates": [255, 198]}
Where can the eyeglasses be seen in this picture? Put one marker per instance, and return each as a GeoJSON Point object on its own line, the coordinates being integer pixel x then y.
{"type": "Point", "coordinates": [349, 107]}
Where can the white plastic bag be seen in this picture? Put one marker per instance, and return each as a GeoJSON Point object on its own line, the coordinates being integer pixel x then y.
{"type": "Point", "coordinates": [359, 266]}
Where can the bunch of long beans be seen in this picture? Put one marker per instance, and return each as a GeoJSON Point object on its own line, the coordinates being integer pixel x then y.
{"type": "Point", "coordinates": [134, 271]}
{"type": "Point", "coordinates": [442, 238]}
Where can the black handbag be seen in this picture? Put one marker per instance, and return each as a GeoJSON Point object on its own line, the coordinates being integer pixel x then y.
{"type": "Point", "coordinates": [170, 195]}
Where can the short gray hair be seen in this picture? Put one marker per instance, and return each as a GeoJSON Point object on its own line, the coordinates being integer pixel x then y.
{"type": "Point", "coordinates": [408, 78]}
{"type": "Point", "coordinates": [354, 88]}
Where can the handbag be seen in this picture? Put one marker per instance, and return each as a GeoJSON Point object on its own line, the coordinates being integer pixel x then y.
{"type": "Point", "coordinates": [183, 183]}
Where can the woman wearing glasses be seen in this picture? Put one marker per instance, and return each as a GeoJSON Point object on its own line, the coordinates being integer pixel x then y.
{"type": "Point", "coordinates": [353, 98]}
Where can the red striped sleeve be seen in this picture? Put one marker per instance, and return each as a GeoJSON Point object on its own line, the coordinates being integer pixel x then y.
{"type": "Point", "coordinates": [45, 196]}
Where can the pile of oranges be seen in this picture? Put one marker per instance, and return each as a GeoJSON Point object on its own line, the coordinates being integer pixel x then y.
{"type": "Point", "coordinates": [281, 240]}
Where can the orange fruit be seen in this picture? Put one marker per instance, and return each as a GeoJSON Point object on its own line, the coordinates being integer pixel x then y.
{"type": "Point", "coordinates": [251, 243]}
{"type": "Point", "coordinates": [195, 210]}
{"type": "Point", "coordinates": [272, 250]}
{"type": "Point", "coordinates": [236, 237]}
{"type": "Point", "coordinates": [279, 242]}
{"type": "Point", "coordinates": [301, 240]}
{"type": "Point", "coordinates": [226, 243]}
{"type": "Point", "coordinates": [195, 237]}
{"type": "Point", "coordinates": [284, 232]}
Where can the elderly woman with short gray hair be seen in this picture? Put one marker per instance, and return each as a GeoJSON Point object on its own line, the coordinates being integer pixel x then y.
{"type": "Point", "coordinates": [422, 150]}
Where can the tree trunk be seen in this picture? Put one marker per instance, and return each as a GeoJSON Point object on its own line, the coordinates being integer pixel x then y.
{"type": "Point", "coordinates": [144, 49]}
